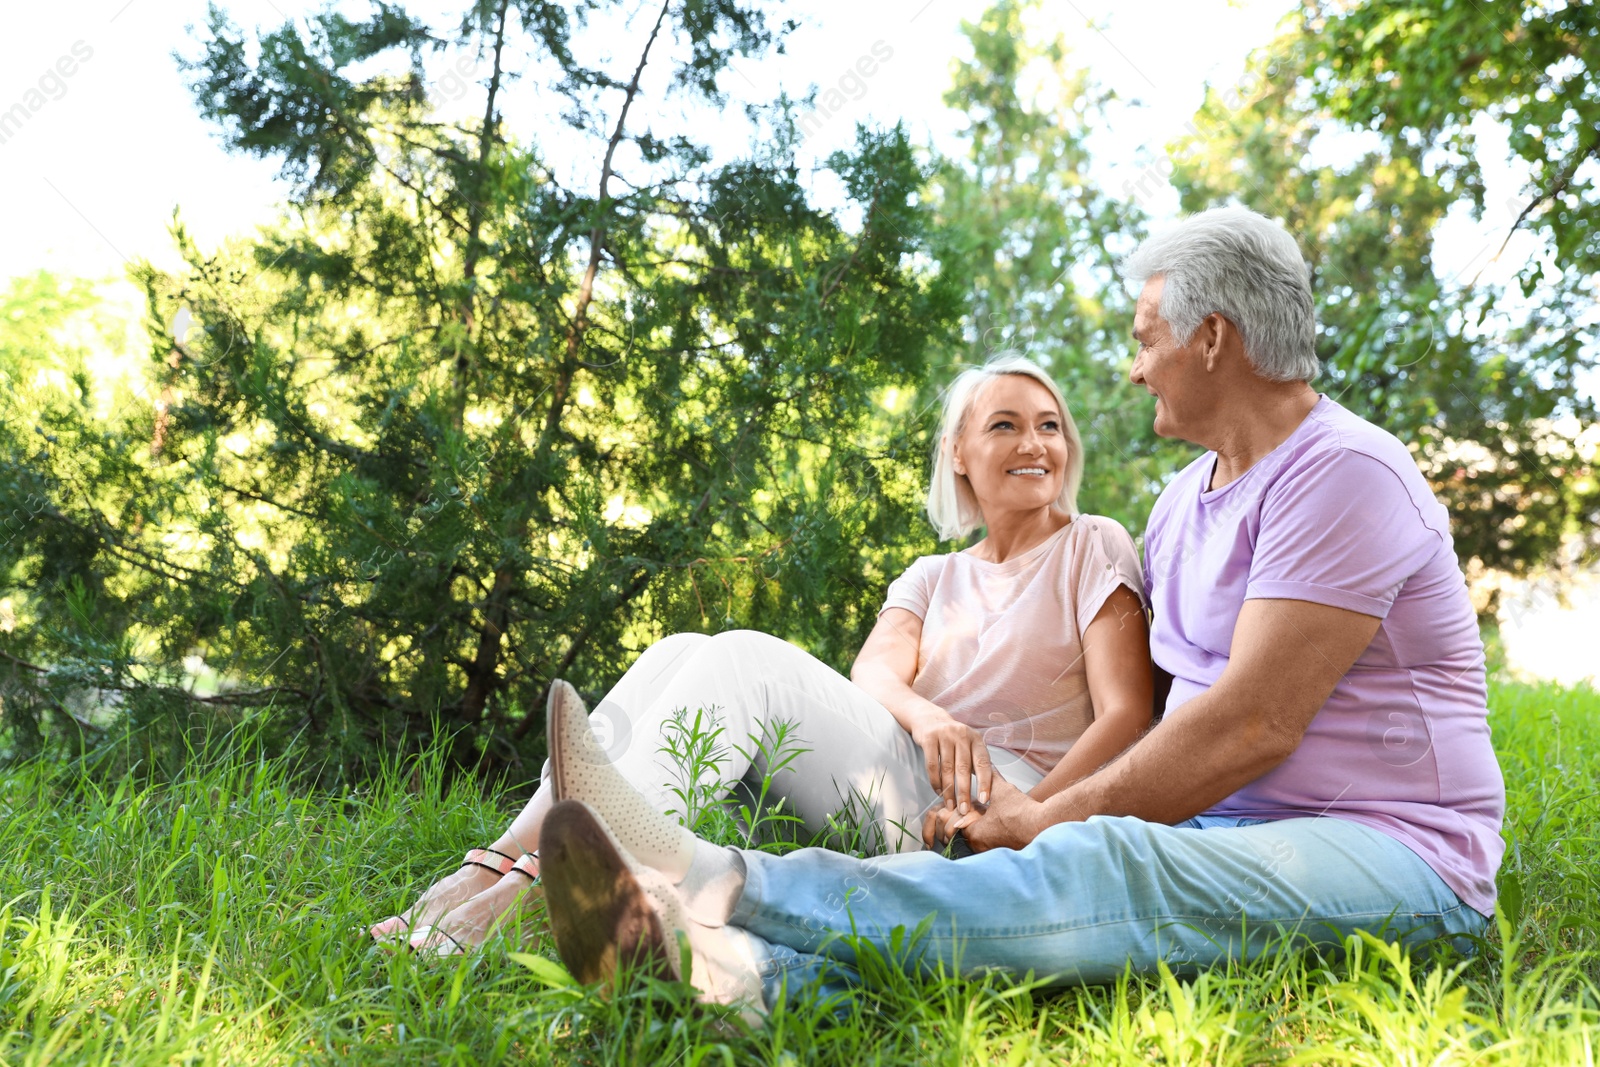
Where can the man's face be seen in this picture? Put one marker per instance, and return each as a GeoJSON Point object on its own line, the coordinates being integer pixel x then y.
{"type": "Point", "coordinates": [1170, 373]}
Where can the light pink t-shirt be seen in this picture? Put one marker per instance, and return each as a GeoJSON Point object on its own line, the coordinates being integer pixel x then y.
{"type": "Point", "coordinates": [1002, 643]}
{"type": "Point", "coordinates": [1339, 515]}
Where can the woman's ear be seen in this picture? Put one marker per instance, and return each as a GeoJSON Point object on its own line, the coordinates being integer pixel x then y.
{"type": "Point", "coordinates": [955, 455]}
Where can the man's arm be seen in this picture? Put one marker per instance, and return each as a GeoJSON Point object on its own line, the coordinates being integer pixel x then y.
{"type": "Point", "coordinates": [1286, 658]}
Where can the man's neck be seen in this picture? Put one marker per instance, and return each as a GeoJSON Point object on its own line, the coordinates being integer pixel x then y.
{"type": "Point", "coordinates": [1257, 424]}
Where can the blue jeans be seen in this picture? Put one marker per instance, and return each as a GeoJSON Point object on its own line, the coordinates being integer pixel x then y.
{"type": "Point", "coordinates": [1087, 899]}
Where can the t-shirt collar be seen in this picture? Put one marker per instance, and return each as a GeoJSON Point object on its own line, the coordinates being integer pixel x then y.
{"type": "Point", "coordinates": [1209, 495]}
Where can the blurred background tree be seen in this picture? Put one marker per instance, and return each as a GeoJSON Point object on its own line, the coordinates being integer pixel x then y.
{"type": "Point", "coordinates": [1037, 241]}
{"type": "Point", "coordinates": [1360, 128]}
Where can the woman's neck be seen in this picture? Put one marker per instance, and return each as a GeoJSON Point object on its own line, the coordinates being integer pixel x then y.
{"type": "Point", "coordinates": [1014, 533]}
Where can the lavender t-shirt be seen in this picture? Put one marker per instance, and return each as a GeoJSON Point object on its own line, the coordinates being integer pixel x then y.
{"type": "Point", "coordinates": [1339, 514]}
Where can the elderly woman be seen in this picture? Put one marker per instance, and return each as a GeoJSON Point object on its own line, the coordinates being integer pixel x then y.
{"type": "Point", "coordinates": [1323, 765]}
{"type": "Point", "coordinates": [1021, 659]}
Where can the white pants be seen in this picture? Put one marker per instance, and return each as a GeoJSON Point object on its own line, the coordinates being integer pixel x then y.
{"type": "Point", "coordinates": [857, 756]}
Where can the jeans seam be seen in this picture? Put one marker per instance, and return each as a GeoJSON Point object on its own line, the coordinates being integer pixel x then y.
{"type": "Point", "coordinates": [1164, 920]}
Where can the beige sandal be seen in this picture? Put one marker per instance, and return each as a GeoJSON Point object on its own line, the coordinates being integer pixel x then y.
{"type": "Point", "coordinates": [490, 859]}
{"type": "Point", "coordinates": [422, 938]}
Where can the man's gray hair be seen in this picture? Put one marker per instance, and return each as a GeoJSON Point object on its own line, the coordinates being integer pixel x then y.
{"type": "Point", "coordinates": [952, 506]}
{"type": "Point", "coordinates": [1246, 267]}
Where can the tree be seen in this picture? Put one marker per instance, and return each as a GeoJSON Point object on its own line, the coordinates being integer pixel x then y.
{"type": "Point", "coordinates": [462, 426]}
{"type": "Point", "coordinates": [52, 663]}
{"type": "Point", "coordinates": [1038, 242]}
{"type": "Point", "coordinates": [1399, 69]}
{"type": "Point", "coordinates": [1483, 387]}
{"type": "Point", "coordinates": [1396, 69]}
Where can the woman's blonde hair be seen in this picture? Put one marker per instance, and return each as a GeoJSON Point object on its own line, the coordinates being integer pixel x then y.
{"type": "Point", "coordinates": [952, 506]}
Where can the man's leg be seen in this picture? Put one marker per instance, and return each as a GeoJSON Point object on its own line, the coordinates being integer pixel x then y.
{"type": "Point", "coordinates": [1087, 899]}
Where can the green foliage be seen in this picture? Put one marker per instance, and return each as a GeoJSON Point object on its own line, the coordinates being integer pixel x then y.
{"type": "Point", "coordinates": [461, 427]}
{"type": "Point", "coordinates": [1356, 129]}
{"type": "Point", "coordinates": [1037, 242]}
{"type": "Point", "coordinates": [486, 410]}
{"type": "Point", "coordinates": [208, 920]}
{"type": "Point", "coordinates": [68, 465]}
{"type": "Point", "coordinates": [1388, 67]}
{"type": "Point", "coordinates": [1547, 737]}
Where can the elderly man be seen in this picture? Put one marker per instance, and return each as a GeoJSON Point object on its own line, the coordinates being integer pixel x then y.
{"type": "Point", "coordinates": [1323, 764]}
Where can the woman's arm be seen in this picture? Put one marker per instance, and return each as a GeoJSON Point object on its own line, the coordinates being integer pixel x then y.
{"type": "Point", "coordinates": [885, 668]}
{"type": "Point", "coordinates": [1116, 653]}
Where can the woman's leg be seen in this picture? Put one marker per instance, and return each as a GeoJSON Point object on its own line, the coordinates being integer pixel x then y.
{"type": "Point", "coordinates": [450, 895]}
{"type": "Point", "coordinates": [848, 753]}
{"type": "Point", "coordinates": [749, 683]}
{"type": "Point", "coordinates": [625, 724]}
{"type": "Point", "coordinates": [841, 752]}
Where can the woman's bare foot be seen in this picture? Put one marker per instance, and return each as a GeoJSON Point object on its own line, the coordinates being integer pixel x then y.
{"type": "Point", "coordinates": [470, 924]}
{"type": "Point", "coordinates": [443, 897]}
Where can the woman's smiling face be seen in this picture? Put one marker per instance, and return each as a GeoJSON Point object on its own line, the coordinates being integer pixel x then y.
{"type": "Point", "coordinates": [1012, 450]}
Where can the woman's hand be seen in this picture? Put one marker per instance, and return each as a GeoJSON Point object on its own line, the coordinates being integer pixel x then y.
{"type": "Point", "coordinates": [884, 669]}
{"type": "Point", "coordinates": [955, 752]}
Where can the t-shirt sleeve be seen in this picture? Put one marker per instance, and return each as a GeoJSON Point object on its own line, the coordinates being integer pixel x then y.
{"type": "Point", "coordinates": [913, 590]}
{"type": "Point", "coordinates": [1109, 560]}
{"type": "Point", "coordinates": [1344, 531]}
{"type": "Point", "coordinates": [1148, 587]}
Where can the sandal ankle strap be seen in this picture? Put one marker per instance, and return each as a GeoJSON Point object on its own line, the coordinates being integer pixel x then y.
{"type": "Point", "coordinates": [490, 859]}
{"type": "Point", "coordinates": [528, 865]}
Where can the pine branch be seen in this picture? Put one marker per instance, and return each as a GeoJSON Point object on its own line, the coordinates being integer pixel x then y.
{"type": "Point", "coordinates": [133, 685]}
{"type": "Point", "coordinates": [482, 681]}
{"type": "Point", "coordinates": [474, 249]}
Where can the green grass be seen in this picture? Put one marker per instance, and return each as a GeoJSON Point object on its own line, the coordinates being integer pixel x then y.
{"type": "Point", "coordinates": [207, 921]}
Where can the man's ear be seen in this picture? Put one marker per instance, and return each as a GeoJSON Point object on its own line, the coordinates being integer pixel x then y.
{"type": "Point", "coordinates": [1214, 335]}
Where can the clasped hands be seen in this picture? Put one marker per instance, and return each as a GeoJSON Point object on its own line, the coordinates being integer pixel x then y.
{"type": "Point", "coordinates": [1011, 819]}
{"type": "Point", "coordinates": [1000, 816]}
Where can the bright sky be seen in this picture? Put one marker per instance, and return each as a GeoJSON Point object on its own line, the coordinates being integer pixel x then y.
{"type": "Point", "coordinates": [106, 153]}
{"type": "Point", "coordinates": [92, 177]}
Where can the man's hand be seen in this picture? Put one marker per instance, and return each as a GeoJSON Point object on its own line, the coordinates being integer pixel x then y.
{"type": "Point", "coordinates": [1012, 820]}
